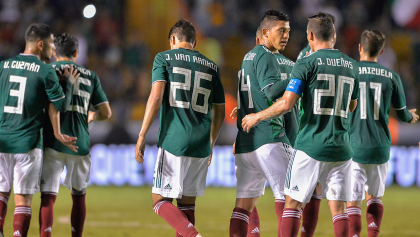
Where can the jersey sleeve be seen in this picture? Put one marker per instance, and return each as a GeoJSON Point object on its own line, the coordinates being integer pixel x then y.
{"type": "Point", "coordinates": [159, 72]}
{"type": "Point", "coordinates": [300, 71]}
{"type": "Point", "coordinates": [52, 86]}
{"type": "Point", "coordinates": [98, 95]}
{"type": "Point", "coordinates": [218, 93]}
{"type": "Point", "coordinates": [398, 95]}
{"type": "Point", "coordinates": [356, 89]}
{"type": "Point", "coordinates": [267, 70]}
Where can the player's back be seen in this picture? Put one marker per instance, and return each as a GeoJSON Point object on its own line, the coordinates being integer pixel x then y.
{"type": "Point", "coordinates": [26, 85]}
{"type": "Point", "coordinates": [259, 70]}
{"type": "Point", "coordinates": [87, 90]}
{"type": "Point", "coordinates": [291, 119]}
{"type": "Point", "coordinates": [193, 84]}
{"type": "Point", "coordinates": [330, 84]}
{"type": "Point", "coordinates": [369, 133]}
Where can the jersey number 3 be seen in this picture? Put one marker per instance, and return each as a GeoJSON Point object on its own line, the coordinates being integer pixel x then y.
{"type": "Point", "coordinates": [187, 86]}
{"type": "Point", "coordinates": [20, 94]}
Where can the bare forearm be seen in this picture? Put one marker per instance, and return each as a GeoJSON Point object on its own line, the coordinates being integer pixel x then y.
{"type": "Point", "coordinates": [277, 109]}
{"type": "Point", "coordinates": [55, 119]}
{"type": "Point", "coordinates": [152, 109]}
{"type": "Point", "coordinates": [216, 126]}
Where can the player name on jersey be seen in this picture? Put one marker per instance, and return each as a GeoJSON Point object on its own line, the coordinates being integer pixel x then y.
{"type": "Point", "coordinates": [33, 67]}
{"type": "Point", "coordinates": [285, 61]}
{"type": "Point", "coordinates": [187, 58]}
{"type": "Point", "coordinates": [375, 71]}
{"type": "Point", "coordinates": [79, 69]}
{"type": "Point", "coordinates": [335, 62]}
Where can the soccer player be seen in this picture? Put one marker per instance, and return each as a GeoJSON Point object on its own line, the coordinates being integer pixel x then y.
{"type": "Point", "coordinates": [327, 82]}
{"type": "Point", "coordinates": [187, 89]}
{"type": "Point", "coordinates": [27, 84]}
{"type": "Point", "coordinates": [87, 91]}
{"type": "Point", "coordinates": [263, 154]}
{"type": "Point", "coordinates": [369, 133]}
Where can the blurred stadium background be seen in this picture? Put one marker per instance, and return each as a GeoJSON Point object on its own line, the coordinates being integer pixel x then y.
{"type": "Point", "coordinates": [119, 39]}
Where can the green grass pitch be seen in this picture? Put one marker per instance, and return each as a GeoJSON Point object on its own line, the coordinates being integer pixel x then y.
{"type": "Point", "coordinates": [127, 211]}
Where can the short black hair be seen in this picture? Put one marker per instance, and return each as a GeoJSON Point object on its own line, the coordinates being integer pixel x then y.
{"type": "Point", "coordinates": [258, 34]}
{"type": "Point", "coordinates": [184, 31]}
{"type": "Point", "coordinates": [271, 17]}
{"type": "Point", "coordinates": [65, 45]}
{"type": "Point", "coordinates": [372, 41]}
{"type": "Point", "coordinates": [322, 25]}
{"type": "Point", "coordinates": [37, 31]}
{"type": "Point", "coordinates": [325, 15]}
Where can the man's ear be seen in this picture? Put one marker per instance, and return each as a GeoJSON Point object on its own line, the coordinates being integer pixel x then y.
{"type": "Point", "coordinates": [265, 32]}
{"type": "Point", "coordinates": [40, 45]}
{"type": "Point", "coordinates": [360, 47]}
{"type": "Point", "coordinates": [194, 44]}
{"type": "Point", "coordinates": [75, 53]}
{"type": "Point", "coordinates": [382, 51]}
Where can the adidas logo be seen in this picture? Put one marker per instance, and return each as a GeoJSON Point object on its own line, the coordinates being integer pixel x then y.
{"type": "Point", "coordinates": [168, 186]}
{"type": "Point", "coordinates": [17, 233]}
{"type": "Point", "coordinates": [189, 225]}
{"type": "Point", "coordinates": [255, 230]}
{"type": "Point", "coordinates": [73, 229]}
{"type": "Point", "coordinates": [49, 229]}
{"type": "Point", "coordinates": [355, 236]}
{"type": "Point", "coordinates": [42, 181]}
{"type": "Point", "coordinates": [373, 225]}
{"type": "Point", "coordinates": [295, 188]}
{"type": "Point", "coordinates": [303, 230]}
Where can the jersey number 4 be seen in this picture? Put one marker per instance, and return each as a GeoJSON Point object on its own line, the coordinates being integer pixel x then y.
{"type": "Point", "coordinates": [187, 86]}
{"type": "Point", "coordinates": [331, 92]}
{"type": "Point", "coordinates": [20, 94]}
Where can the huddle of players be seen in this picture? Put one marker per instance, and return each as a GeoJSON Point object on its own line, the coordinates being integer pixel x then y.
{"type": "Point", "coordinates": [320, 90]}
{"type": "Point", "coordinates": [28, 87]}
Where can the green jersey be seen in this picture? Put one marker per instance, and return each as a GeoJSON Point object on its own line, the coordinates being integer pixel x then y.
{"type": "Point", "coordinates": [26, 86]}
{"type": "Point", "coordinates": [330, 81]}
{"type": "Point", "coordinates": [193, 84]}
{"type": "Point", "coordinates": [87, 90]}
{"type": "Point", "coordinates": [305, 50]}
{"type": "Point", "coordinates": [259, 70]}
{"type": "Point", "coordinates": [291, 119]}
{"type": "Point", "coordinates": [369, 133]}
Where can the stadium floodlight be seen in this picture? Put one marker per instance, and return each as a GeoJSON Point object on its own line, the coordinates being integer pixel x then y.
{"type": "Point", "coordinates": [89, 11]}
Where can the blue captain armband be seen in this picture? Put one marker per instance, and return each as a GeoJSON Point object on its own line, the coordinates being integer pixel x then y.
{"type": "Point", "coordinates": [296, 86]}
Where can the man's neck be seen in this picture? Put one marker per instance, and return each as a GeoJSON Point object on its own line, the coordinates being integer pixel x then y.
{"type": "Point", "coordinates": [323, 45]}
{"type": "Point", "coordinates": [60, 59]}
{"type": "Point", "coordinates": [269, 46]}
{"type": "Point", "coordinates": [32, 51]}
{"type": "Point", "coordinates": [364, 57]}
{"type": "Point", "coordinates": [184, 45]}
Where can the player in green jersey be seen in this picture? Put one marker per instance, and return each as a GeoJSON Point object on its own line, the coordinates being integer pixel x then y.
{"type": "Point", "coordinates": [187, 88]}
{"type": "Point", "coordinates": [327, 82]}
{"type": "Point", "coordinates": [74, 122]}
{"type": "Point", "coordinates": [369, 134]}
{"type": "Point", "coordinates": [263, 154]}
{"type": "Point", "coordinates": [27, 84]}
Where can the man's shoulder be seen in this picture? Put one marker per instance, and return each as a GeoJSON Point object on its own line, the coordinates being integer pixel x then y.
{"type": "Point", "coordinates": [84, 72]}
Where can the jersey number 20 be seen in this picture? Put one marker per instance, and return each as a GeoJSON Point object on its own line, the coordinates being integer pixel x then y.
{"type": "Point", "coordinates": [187, 86]}
{"type": "Point", "coordinates": [331, 92]}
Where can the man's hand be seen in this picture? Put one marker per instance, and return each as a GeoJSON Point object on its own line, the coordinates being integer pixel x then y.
{"type": "Point", "coordinates": [415, 116]}
{"type": "Point", "coordinates": [69, 74]}
{"type": "Point", "coordinates": [234, 113]}
{"type": "Point", "coordinates": [140, 147]}
{"type": "Point", "coordinates": [67, 141]}
{"type": "Point", "coordinates": [250, 121]}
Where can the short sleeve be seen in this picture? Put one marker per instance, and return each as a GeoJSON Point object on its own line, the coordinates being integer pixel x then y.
{"type": "Point", "coordinates": [356, 89]}
{"type": "Point", "coordinates": [98, 95]}
{"type": "Point", "coordinates": [218, 93]}
{"type": "Point", "coordinates": [52, 86]}
{"type": "Point", "coordinates": [267, 70]}
{"type": "Point", "coordinates": [300, 71]}
{"type": "Point", "coordinates": [159, 72]}
{"type": "Point", "coordinates": [398, 95]}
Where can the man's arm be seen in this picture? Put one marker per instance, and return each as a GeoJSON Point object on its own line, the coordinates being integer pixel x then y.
{"type": "Point", "coordinates": [67, 79]}
{"type": "Point", "coordinates": [152, 108]}
{"type": "Point", "coordinates": [104, 112]}
{"type": "Point", "coordinates": [55, 122]}
{"type": "Point", "coordinates": [276, 90]}
{"type": "Point", "coordinates": [282, 106]}
{"type": "Point", "coordinates": [353, 105]}
{"type": "Point", "coordinates": [218, 114]}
